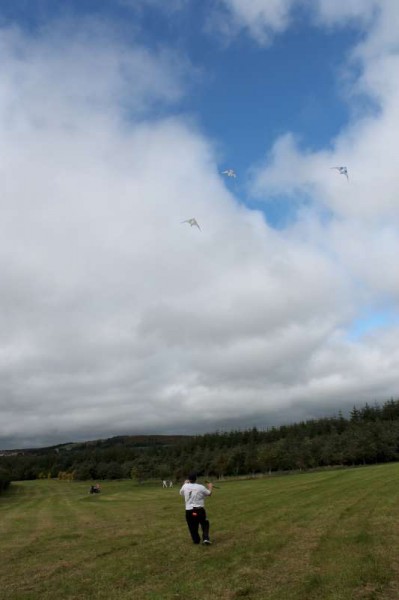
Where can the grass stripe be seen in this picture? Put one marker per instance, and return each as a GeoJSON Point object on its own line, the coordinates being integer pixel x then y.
{"type": "Point", "coordinates": [323, 535]}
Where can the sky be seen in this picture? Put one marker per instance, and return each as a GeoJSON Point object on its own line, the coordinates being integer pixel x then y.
{"type": "Point", "coordinates": [117, 120]}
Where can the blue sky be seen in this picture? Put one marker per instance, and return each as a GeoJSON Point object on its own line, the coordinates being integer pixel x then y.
{"type": "Point", "coordinates": [242, 95]}
{"type": "Point", "coordinates": [372, 321]}
{"type": "Point", "coordinates": [116, 120]}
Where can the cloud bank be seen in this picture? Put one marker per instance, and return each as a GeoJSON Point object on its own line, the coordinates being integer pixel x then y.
{"type": "Point", "coordinates": [115, 316]}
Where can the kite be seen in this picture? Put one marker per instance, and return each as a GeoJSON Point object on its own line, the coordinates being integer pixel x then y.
{"type": "Point", "coordinates": [229, 173]}
{"type": "Point", "coordinates": [192, 222]}
{"type": "Point", "coordinates": [342, 171]}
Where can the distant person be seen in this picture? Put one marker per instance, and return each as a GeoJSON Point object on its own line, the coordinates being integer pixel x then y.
{"type": "Point", "coordinates": [194, 496]}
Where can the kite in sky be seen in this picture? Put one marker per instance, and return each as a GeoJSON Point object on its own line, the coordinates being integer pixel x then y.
{"type": "Point", "coordinates": [192, 222]}
{"type": "Point", "coordinates": [342, 171]}
{"type": "Point", "coordinates": [229, 173]}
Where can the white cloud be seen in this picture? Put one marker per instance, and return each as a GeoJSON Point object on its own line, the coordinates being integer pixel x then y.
{"type": "Point", "coordinates": [261, 18]}
{"type": "Point", "coordinates": [115, 316]}
{"type": "Point", "coordinates": [361, 235]}
{"type": "Point", "coordinates": [339, 12]}
{"type": "Point", "coordinates": [42, 87]}
{"type": "Point", "coordinates": [363, 231]}
{"type": "Point", "coordinates": [170, 7]}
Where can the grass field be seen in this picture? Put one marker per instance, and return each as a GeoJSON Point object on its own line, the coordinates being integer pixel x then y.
{"type": "Point", "coordinates": [327, 535]}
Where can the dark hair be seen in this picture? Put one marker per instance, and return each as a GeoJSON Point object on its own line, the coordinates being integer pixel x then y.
{"type": "Point", "coordinates": [192, 477]}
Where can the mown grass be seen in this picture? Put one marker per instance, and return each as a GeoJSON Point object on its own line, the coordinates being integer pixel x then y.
{"type": "Point", "coordinates": [327, 536]}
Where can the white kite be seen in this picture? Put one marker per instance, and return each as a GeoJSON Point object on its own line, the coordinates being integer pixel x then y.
{"type": "Point", "coordinates": [229, 173]}
{"type": "Point", "coordinates": [342, 171]}
{"type": "Point", "coordinates": [192, 222]}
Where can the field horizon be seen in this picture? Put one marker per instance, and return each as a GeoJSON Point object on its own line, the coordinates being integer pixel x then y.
{"type": "Point", "coordinates": [322, 535]}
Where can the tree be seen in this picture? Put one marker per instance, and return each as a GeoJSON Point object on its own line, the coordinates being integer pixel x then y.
{"type": "Point", "coordinates": [220, 464]}
{"type": "Point", "coordinates": [268, 457]}
{"type": "Point", "coordinates": [85, 471]}
{"type": "Point", "coordinates": [5, 479]}
{"type": "Point", "coordinates": [114, 471]}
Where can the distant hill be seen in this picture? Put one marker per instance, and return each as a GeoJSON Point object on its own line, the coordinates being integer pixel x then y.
{"type": "Point", "coordinates": [370, 435]}
{"type": "Point", "coordinates": [128, 441]}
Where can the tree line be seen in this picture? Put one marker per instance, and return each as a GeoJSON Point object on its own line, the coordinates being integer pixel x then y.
{"type": "Point", "coordinates": [5, 479]}
{"type": "Point", "coordinates": [368, 435]}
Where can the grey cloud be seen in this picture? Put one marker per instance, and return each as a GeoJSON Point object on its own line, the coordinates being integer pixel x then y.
{"type": "Point", "coordinates": [115, 317]}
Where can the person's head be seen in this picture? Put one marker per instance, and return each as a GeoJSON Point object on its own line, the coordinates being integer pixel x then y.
{"type": "Point", "coordinates": [192, 477]}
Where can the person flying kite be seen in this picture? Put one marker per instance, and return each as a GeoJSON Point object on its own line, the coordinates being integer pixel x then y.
{"type": "Point", "coordinates": [194, 495]}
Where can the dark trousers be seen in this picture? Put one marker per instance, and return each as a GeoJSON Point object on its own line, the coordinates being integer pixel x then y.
{"type": "Point", "coordinates": [196, 517]}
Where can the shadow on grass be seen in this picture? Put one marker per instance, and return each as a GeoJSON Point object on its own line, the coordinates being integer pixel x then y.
{"type": "Point", "coordinates": [14, 490]}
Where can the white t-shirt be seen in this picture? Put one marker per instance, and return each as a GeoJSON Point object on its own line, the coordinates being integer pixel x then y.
{"type": "Point", "coordinates": [194, 494]}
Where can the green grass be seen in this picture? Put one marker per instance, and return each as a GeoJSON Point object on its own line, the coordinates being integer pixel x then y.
{"type": "Point", "coordinates": [331, 535]}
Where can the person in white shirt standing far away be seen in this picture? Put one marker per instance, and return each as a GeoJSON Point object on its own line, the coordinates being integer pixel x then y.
{"type": "Point", "coordinates": [194, 497]}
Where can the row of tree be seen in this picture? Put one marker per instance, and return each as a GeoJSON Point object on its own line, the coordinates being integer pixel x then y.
{"type": "Point", "coordinates": [369, 435]}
